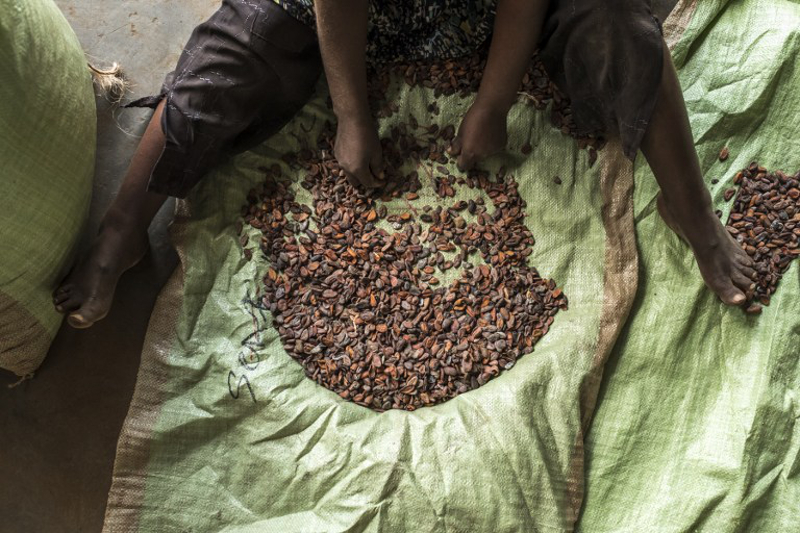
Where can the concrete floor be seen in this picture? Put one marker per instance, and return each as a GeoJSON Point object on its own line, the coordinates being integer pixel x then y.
{"type": "Point", "coordinates": [59, 430]}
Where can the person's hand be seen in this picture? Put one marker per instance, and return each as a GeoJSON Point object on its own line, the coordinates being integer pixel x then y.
{"type": "Point", "coordinates": [482, 134]}
{"type": "Point", "coordinates": [358, 150]}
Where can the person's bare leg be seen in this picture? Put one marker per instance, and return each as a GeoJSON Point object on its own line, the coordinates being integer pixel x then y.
{"type": "Point", "coordinates": [86, 294]}
{"type": "Point", "coordinates": [684, 202]}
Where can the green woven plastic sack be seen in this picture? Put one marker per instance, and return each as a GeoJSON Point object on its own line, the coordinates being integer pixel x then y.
{"type": "Point", "coordinates": [47, 149]}
{"type": "Point", "coordinates": [226, 433]}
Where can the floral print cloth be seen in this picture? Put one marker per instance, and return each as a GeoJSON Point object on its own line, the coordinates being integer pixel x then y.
{"type": "Point", "coordinates": [401, 30]}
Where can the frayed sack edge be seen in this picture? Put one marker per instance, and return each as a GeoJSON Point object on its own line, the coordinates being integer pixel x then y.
{"type": "Point", "coordinates": [111, 83]}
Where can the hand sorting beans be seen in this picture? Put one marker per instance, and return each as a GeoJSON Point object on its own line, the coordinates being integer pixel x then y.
{"type": "Point", "coordinates": [463, 76]}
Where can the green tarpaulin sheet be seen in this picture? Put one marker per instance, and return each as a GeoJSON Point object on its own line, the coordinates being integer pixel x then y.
{"type": "Point", "coordinates": [695, 426]}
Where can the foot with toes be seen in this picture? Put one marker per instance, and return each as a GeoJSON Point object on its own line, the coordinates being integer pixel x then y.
{"type": "Point", "coordinates": [86, 294]}
{"type": "Point", "coordinates": [725, 266]}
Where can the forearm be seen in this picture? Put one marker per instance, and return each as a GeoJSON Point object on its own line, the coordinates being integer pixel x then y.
{"type": "Point", "coordinates": [517, 27]}
{"type": "Point", "coordinates": [342, 31]}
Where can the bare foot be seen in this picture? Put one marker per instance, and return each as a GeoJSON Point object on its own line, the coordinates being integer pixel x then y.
{"type": "Point", "coordinates": [87, 292]}
{"type": "Point", "coordinates": [725, 266]}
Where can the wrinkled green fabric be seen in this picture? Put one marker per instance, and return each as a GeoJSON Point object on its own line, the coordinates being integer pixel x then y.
{"type": "Point", "coordinates": [294, 457]}
{"type": "Point", "coordinates": [47, 148]}
{"type": "Point", "coordinates": [696, 428]}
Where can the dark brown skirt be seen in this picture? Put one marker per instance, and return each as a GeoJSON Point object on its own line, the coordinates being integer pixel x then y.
{"type": "Point", "coordinates": [607, 57]}
{"type": "Point", "coordinates": [242, 76]}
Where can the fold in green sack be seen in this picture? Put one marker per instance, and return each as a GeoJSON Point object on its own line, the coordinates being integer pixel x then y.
{"type": "Point", "coordinates": [47, 149]}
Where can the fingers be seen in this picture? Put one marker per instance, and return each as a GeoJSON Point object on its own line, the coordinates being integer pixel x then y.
{"type": "Point", "coordinates": [364, 177]}
{"type": "Point", "coordinates": [359, 152]}
{"type": "Point", "coordinates": [468, 158]}
{"type": "Point", "coordinates": [368, 174]}
{"type": "Point", "coordinates": [467, 161]}
{"type": "Point", "coordinates": [455, 146]}
{"type": "Point", "coordinates": [360, 177]}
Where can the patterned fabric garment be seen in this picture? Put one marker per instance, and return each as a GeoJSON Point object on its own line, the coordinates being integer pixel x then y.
{"type": "Point", "coordinates": [416, 29]}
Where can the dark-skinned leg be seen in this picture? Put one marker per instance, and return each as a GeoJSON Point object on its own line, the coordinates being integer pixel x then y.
{"type": "Point", "coordinates": [86, 294]}
{"type": "Point", "coordinates": [232, 88]}
{"type": "Point", "coordinates": [684, 202]}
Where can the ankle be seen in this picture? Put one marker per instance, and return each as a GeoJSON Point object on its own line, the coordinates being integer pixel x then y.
{"type": "Point", "coordinates": [691, 208]}
{"type": "Point", "coordinates": [120, 223]}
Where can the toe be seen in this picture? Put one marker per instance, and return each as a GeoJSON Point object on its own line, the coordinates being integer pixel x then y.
{"type": "Point", "coordinates": [745, 260]}
{"type": "Point", "coordinates": [742, 255]}
{"type": "Point", "coordinates": [742, 282]}
{"type": "Point", "coordinates": [62, 297]}
{"type": "Point", "coordinates": [68, 305]}
{"type": "Point", "coordinates": [64, 289]}
{"type": "Point", "coordinates": [87, 314]}
{"type": "Point", "coordinates": [729, 294]}
{"type": "Point", "coordinates": [747, 271]}
{"type": "Point", "coordinates": [78, 321]}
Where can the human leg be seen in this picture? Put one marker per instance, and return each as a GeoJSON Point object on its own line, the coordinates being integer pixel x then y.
{"type": "Point", "coordinates": [684, 202]}
{"type": "Point", "coordinates": [242, 76]}
{"type": "Point", "coordinates": [86, 294]}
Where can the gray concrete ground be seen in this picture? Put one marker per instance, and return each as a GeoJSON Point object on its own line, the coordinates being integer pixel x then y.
{"type": "Point", "coordinates": [59, 431]}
